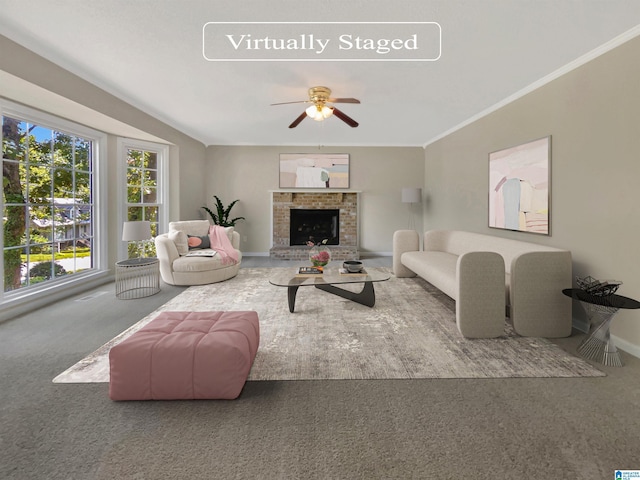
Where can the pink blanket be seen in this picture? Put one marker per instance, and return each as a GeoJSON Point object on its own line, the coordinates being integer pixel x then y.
{"type": "Point", "coordinates": [221, 244]}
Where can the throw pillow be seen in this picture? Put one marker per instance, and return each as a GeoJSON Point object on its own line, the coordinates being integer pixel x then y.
{"type": "Point", "coordinates": [180, 239]}
{"type": "Point", "coordinates": [198, 242]}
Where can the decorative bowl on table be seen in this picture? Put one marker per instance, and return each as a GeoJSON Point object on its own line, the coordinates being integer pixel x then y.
{"type": "Point", "coordinates": [352, 266]}
{"type": "Point", "coordinates": [594, 286]}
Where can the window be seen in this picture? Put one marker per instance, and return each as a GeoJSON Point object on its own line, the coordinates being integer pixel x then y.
{"type": "Point", "coordinates": [48, 202]}
{"type": "Point", "coordinates": [145, 195]}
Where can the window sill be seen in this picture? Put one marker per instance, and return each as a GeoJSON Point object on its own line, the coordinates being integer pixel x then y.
{"type": "Point", "coordinates": [18, 303]}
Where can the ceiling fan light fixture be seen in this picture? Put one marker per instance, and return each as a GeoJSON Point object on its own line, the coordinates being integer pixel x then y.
{"type": "Point", "coordinates": [312, 111]}
{"type": "Point", "coordinates": [319, 112]}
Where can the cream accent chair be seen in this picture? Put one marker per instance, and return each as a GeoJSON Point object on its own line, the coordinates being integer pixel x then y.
{"type": "Point", "coordinates": [178, 269]}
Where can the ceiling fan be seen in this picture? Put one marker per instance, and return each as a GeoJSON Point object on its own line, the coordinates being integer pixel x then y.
{"type": "Point", "coordinates": [319, 97]}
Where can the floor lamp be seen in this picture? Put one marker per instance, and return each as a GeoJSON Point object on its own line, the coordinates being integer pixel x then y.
{"type": "Point", "coordinates": [411, 195]}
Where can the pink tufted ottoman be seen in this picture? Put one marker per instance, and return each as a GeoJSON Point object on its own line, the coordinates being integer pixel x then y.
{"type": "Point", "coordinates": [185, 355]}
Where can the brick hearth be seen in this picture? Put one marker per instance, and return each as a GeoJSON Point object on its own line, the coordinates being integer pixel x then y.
{"type": "Point", "coordinates": [345, 202]}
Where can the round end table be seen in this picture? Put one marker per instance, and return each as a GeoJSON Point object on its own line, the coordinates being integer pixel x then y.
{"type": "Point", "coordinates": [598, 345]}
{"type": "Point", "coordinates": [137, 278]}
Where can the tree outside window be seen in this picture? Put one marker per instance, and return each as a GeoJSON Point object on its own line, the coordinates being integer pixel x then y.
{"type": "Point", "coordinates": [48, 203]}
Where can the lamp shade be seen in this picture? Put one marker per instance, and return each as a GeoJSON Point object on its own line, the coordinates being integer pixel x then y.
{"type": "Point", "coordinates": [319, 112]}
{"type": "Point", "coordinates": [411, 195]}
{"type": "Point", "coordinates": [134, 231]}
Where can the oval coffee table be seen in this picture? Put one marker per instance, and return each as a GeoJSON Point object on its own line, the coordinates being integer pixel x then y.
{"type": "Point", "coordinates": [328, 282]}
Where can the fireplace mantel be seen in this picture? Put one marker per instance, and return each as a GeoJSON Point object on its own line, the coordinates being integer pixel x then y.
{"type": "Point", "coordinates": [314, 190]}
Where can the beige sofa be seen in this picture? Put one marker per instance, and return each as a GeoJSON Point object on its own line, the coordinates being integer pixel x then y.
{"type": "Point", "coordinates": [487, 274]}
{"type": "Point", "coordinates": [176, 268]}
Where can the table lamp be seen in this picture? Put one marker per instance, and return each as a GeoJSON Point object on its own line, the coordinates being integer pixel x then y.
{"type": "Point", "coordinates": [136, 232]}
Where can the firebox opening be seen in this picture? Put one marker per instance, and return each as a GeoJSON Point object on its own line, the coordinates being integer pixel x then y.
{"type": "Point", "coordinates": [314, 225]}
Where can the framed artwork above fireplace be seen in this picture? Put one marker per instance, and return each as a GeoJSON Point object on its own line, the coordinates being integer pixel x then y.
{"type": "Point", "coordinates": [314, 170]}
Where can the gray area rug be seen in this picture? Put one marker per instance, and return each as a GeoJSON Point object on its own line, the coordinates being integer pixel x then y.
{"type": "Point", "coordinates": [409, 333]}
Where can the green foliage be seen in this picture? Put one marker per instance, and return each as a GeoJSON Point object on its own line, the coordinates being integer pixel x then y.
{"type": "Point", "coordinates": [142, 248]}
{"type": "Point", "coordinates": [14, 225]}
{"type": "Point", "coordinates": [35, 170]}
{"type": "Point", "coordinates": [39, 244]}
{"type": "Point", "coordinates": [221, 217]}
{"type": "Point", "coordinates": [44, 270]}
{"type": "Point", "coordinates": [142, 180]}
{"type": "Point", "coordinates": [79, 253]}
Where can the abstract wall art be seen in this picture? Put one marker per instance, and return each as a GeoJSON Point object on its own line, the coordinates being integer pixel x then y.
{"type": "Point", "coordinates": [519, 187]}
{"type": "Point", "coordinates": [314, 170]}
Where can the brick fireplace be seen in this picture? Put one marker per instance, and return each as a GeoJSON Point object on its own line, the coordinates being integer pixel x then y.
{"type": "Point", "coordinates": [345, 202]}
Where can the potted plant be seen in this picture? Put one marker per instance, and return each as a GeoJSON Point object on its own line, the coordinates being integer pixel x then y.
{"type": "Point", "coordinates": [222, 216]}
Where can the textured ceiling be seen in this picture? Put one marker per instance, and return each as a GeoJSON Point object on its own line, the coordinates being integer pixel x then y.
{"type": "Point", "coordinates": [150, 54]}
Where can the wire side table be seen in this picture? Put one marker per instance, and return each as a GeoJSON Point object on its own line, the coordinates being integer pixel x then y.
{"type": "Point", "coordinates": [598, 345]}
{"type": "Point", "coordinates": [137, 278]}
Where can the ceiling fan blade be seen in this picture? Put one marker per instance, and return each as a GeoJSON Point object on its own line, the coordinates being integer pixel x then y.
{"type": "Point", "coordinates": [298, 120]}
{"type": "Point", "coordinates": [287, 103]}
{"type": "Point", "coordinates": [343, 100]}
{"type": "Point", "coordinates": [345, 118]}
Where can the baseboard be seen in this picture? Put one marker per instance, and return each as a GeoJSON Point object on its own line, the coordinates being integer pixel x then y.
{"type": "Point", "coordinates": [375, 254]}
{"type": "Point", "coordinates": [628, 347]}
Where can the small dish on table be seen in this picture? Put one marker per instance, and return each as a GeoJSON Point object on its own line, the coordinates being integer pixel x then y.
{"type": "Point", "coordinates": [353, 266]}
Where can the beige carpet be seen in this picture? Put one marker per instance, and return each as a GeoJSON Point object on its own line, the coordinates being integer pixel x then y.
{"type": "Point", "coordinates": [409, 333]}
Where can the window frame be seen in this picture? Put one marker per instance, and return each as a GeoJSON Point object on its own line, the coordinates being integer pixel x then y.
{"type": "Point", "coordinates": [162, 194]}
{"type": "Point", "coordinates": [98, 188]}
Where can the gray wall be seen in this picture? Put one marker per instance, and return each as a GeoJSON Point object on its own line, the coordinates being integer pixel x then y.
{"type": "Point", "coordinates": [248, 173]}
{"type": "Point", "coordinates": [593, 116]}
